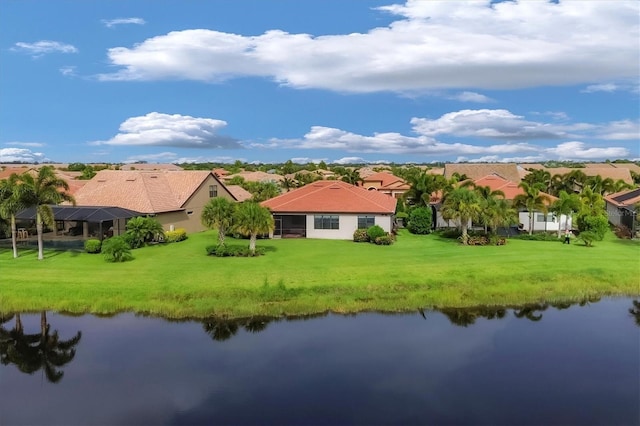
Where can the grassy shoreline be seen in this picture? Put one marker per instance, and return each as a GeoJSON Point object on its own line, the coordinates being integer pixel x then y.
{"type": "Point", "coordinates": [301, 276]}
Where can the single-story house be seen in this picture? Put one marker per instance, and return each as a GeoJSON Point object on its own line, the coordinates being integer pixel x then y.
{"type": "Point", "coordinates": [175, 198]}
{"type": "Point", "coordinates": [330, 209]}
{"type": "Point", "coordinates": [621, 208]}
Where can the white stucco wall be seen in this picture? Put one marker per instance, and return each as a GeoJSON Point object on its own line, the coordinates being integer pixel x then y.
{"type": "Point", "coordinates": [553, 223]}
{"type": "Point", "coordinates": [348, 225]}
{"type": "Point", "coordinates": [613, 214]}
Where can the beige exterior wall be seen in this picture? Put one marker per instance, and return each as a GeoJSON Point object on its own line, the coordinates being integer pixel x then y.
{"type": "Point", "coordinates": [348, 225]}
{"type": "Point", "coordinates": [189, 218]}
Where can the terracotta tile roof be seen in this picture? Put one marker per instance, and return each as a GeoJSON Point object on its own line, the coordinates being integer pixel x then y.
{"type": "Point", "coordinates": [8, 171]}
{"type": "Point", "coordinates": [626, 198]}
{"type": "Point", "coordinates": [239, 193]}
{"type": "Point", "coordinates": [141, 191]}
{"type": "Point", "coordinates": [384, 180]}
{"type": "Point", "coordinates": [510, 189]}
{"type": "Point", "coordinates": [631, 166]}
{"type": "Point", "coordinates": [598, 165]}
{"type": "Point", "coordinates": [508, 171]}
{"type": "Point", "coordinates": [605, 172]}
{"type": "Point", "coordinates": [436, 171]}
{"type": "Point", "coordinates": [332, 196]}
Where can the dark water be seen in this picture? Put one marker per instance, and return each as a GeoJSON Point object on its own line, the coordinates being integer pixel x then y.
{"type": "Point", "coordinates": [543, 365]}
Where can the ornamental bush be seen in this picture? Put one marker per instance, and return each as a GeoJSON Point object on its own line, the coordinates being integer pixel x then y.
{"type": "Point", "coordinates": [232, 251]}
{"type": "Point", "coordinates": [180, 234]}
{"type": "Point", "coordinates": [360, 236]}
{"type": "Point", "coordinates": [598, 225]}
{"type": "Point", "coordinates": [420, 221]}
{"type": "Point", "coordinates": [385, 240]}
{"type": "Point", "coordinates": [116, 249]}
{"type": "Point", "coordinates": [375, 231]}
{"type": "Point", "coordinates": [92, 246]}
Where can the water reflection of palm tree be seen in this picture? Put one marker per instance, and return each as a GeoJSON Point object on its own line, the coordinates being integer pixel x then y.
{"type": "Point", "coordinates": [635, 311]}
{"type": "Point", "coordinates": [528, 312]}
{"type": "Point", "coordinates": [464, 317]}
{"type": "Point", "coordinates": [224, 329]}
{"type": "Point", "coordinates": [39, 351]}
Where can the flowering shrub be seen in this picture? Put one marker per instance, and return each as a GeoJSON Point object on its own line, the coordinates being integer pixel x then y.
{"type": "Point", "coordinates": [179, 234]}
{"type": "Point", "coordinates": [360, 236]}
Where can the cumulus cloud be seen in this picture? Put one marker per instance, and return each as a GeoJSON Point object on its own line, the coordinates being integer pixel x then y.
{"type": "Point", "coordinates": [172, 157]}
{"type": "Point", "coordinates": [472, 97]}
{"type": "Point", "coordinates": [430, 46]}
{"type": "Point", "coordinates": [350, 160]}
{"type": "Point", "coordinates": [9, 155]}
{"type": "Point", "coordinates": [620, 130]}
{"type": "Point", "coordinates": [579, 150]}
{"type": "Point", "coordinates": [43, 47]}
{"type": "Point", "coordinates": [181, 131]}
{"type": "Point", "coordinates": [110, 23]}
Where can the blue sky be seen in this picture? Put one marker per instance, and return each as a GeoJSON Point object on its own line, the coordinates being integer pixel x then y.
{"type": "Point", "coordinates": [333, 80]}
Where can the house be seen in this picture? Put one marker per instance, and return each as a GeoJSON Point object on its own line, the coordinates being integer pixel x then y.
{"type": "Point", "coordinates": [621, 208]}
{"type": "Point", "coordinates": [256, 176]}
{"type": "Point", "coordinates": [386, 183]}
{"type": "Point", "coordinates": [509, 171]}
{"type": "Point", "coordinates": [175, 198]}
{"type": "Point", "coordinates": [330, 209]}
{"type": "Point", "coordinates": [150, 167]}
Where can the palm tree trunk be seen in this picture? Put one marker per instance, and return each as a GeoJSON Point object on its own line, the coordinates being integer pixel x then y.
{"type": "Point", "coordinates": [530, 222]}
{"type": "Point", "coordinates": [43, 323]}
{"type": "Point", "coordinates": [19, 327]}
{"type": "Point", "coordinates": [14, 232]}
{"type": "Point", "coordinates": [252, 242]}
{"type": "Point", "coordinates": [221, 232]}
{"type": "Point", "coordinates": [39, 231]}
{"type": "Point", "coordinates": [465, 235]}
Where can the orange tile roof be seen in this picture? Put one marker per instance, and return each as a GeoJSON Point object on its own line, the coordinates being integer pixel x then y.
{"type": "Point", "coordinates": [256, 176]}
{"type": "Point", "coordinates": [509, 171]}
{"type": "Point", "coordinates": [510, 189]}
{"type": "Point", "coordinates": [331, 196]}
{"type": "Point", "coordinates": [386, 181]}
{"type": "Point", "coordinates": [239, 193]}
{"type": "Point", "coordinates": [615, 173]}
{"type": "Point", "coordinates": [141, 191]}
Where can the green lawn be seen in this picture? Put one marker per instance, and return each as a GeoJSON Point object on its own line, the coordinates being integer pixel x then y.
{"type": "Point", "coordinates": [300, 276]}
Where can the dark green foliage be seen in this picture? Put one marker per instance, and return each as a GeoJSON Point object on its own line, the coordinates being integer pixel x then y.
{"type": "Point", "coordinates": [452, 233]}
{"type": "Point", "coordinates": [360, 236]}
{"type": "Point", "coordinates": [232, 251]}
{"type": "Point", "coordinates": [92, 246]}
{"type": "Point", "coordinates": [179, 234]}
{"type": "Point", "coordinates": [375, 231]}
{"type": "Point", "coordinates": [420, 220]}
{"type": "Point", "coordinates": [401, 216]}
{"type": "Point", "coordinates": [596, 225]}
{"type": "Point", "coordinates": [538, 237]}
{"type": "Point", "coordinates": [143, 230]}
{"type": "Point", "coordinates": [116, 249]}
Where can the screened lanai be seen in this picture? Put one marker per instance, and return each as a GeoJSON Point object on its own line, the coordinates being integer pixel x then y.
{"type": "Point", "coordinates": [79, 221]}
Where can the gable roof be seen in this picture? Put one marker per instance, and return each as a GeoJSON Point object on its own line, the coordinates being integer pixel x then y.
{"type": "Point", "coordinates": [256, 176]}
{"type": "Point", "coordinates": [615, 173]}
{"type": "Point", "coordinates": [627, 198]}
{"type": "Point", "coordinates": [387, 180]}
{"type": "Point", "coordinates": [331, 196]}
{"type": "Point", "coordinates": [239, 193]}
{"type": "Point", "coordinates": [142, 191]}
{"type": "Point", "coordinates": [510, 189]}
{"type": "Point", "coordinates": [509, 171]}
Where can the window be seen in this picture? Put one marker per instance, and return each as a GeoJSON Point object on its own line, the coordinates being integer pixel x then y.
{"type": "Point", "coordinates": [365, 222]}
{"type": "Point", "coordinates": [189, 212]}
{"type": "Point", "coordinates": [213, 191]}
{"type": "Point", "coordinates": [326, 222]}
{"type": "Point", "coordinates": [540, 218]}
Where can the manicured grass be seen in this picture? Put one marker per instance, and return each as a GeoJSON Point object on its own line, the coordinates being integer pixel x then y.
{"type": "Point", "coordinates": [300, 276]}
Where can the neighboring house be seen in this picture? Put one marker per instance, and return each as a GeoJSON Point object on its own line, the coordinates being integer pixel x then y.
{"type": "Point", "coordinates": [239, 193]}
{"type": "Point", "coordinates": [175, 198]}
{"type": "Point", "coordinates": [330, 209]}
{"type": "Point", "coordinates": [258, 176]}
{"type": "Point", "coordinates": [510, 171]}
{"type": "Point", "coordinates": [150, 167]}
{"type": "Point", "coordinates": [621, 207]}
{"type": "Point", "coordinates": [386, 183]}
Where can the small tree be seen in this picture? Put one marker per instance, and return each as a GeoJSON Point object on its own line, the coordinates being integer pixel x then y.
{"type": "Point", "coordinates": [218, 212]}
{"type": "Point", "coordinates": [420, 220]}
{"type": "Point", "coordinates": [592, 228]}
{"type": "Point", "coordinates": [116, 249]}
{"type": "Point", "coordinates": [251, 218]}
{"type": "Point", "coordinates": [141, 230]}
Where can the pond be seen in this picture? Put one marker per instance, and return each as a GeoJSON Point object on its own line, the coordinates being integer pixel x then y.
{"type": "Point", "coordinates": [544, 364]}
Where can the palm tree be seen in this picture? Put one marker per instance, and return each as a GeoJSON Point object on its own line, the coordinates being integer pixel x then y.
{"type": "Point", "coordinates": [464, 205]}
{"type": "Point", "coordinates": [142, 230]}
{"type": "Point", "coordinates": [421, 186]}
{"type": "Point", "coordinates": [600, 185]}
{"type": "Point", "coordinates": [10, 205]}
{"type": "Point", "coordinates": [566, 205]}
{"type": "Point", "coordinates": [498, 212]}
{"type": "Point", "coordinates": [352, 176]}
{"type": "Point", "coordinates": [288, 184]}
{"type": "Point", "coordinates": [39, 192]}
{"type": "Point", "coordinates": [531, 200]}
{"type": "Point", "coordinates": [218, 212]}
{"type": "Point", "coordinates": [541, 176]}
{"type": "Point", "coordinates": [592, 202]}
{"type": "Point", "coordinates": [488, 199]}
{"type": "Point", "coordinates": [251, 218]}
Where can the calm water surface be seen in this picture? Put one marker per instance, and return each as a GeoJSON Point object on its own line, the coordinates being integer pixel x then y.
{"type": "Point", "coordinates": [565, 365]}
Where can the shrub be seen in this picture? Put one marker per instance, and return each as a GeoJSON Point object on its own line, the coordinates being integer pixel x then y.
{"type": "Point", "coordinates": [375, 231]}
{"type": "Point", "coordinates": [452, 233]}
{"type": "Point", "coordinates": [116, 249]}
{"type": "Point", "coordinates": [142, 230]}
{"type": "Point", "coordinates": [622, 231]}
{"type": "Point", "coordinates": [92, 246]}
{"type": "Point", "coordinates": [179, 234]}
{"type": "Point", "coordinates": [588, 237]}
{"type": "Point", "coordinates": [232, 251]}
{"type": "Point", "coordinates": [385, 240]}
{"type": "Point", "coordinates": [360, 236]}
{"type": "Point", "coordinates": [402, 218]}
{"type": "Point", "coordinates": [598, 224]}
{"type": "Point", "coordinates": [477, 240]}
{"type": "Point", "coordinates": [420, 221]}
{"type": "Point", "coordinates": [537, 237]}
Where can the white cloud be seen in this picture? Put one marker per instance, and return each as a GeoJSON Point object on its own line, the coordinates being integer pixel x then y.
{"type": "Point", "coordinates": [68, 71]}
{"type": "Point", "coordinates": [42, 47]}
{"type": "Point", "coordinates": [431, 46]}
{"type": "Point", "coordinates": [350, 160]}
{"type": "Point", "coordinates": [580, 151]}
{"type": "Point", "coordinates": [182, 131]}
{"type": "Point", "coordinates": [621, 130]}
{"type": "Point", "coordinates": [27, 144]}
{"type": "Point", "coordinates": [9, 155]}
{"type": "Point", "coordinates": [606, 87]}
{"type": "Point", "coordinates": [472, 97]}
{"type": "Point", "coordinates": [110, 23]}
{"type": "Point", "coordinates": [172, 157]}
